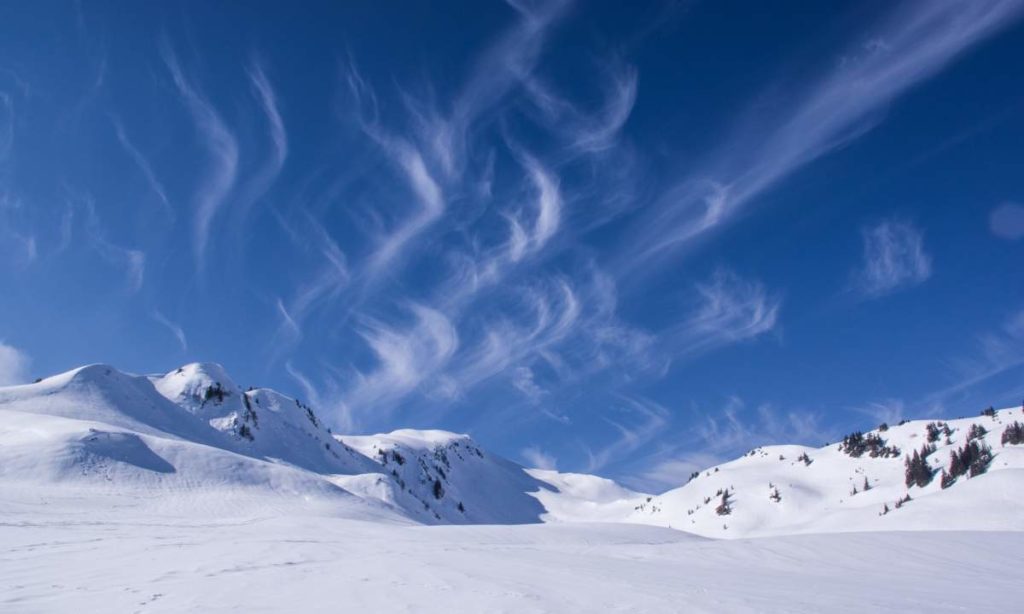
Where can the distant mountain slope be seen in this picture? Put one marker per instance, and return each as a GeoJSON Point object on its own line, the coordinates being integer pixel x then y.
{"type": "Point", "coordinates": [445, 477]}
{"type": "Point", "coordinates": [867, 482]}
{"type": "Point", "coordinates": [193, 434]}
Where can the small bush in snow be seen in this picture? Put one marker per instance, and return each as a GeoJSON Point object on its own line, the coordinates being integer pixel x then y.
{"type": "Point", "coordinates": [725, 506]}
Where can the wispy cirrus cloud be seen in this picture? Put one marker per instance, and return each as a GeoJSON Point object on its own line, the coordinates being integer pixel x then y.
{"type": "Point", "coordinates": [912, 44]}
{"type": "Point", "coordinates": [729, 309]}
{"type": "Point", "coordinates": [1007, 221]}
{"type": "Point", "coordinates": [133, 261]}
{"type": "Point", "coordinates": [501, 68]}
{"type": "Point", "coordinates": [14, 364]}
{"type": "Point", "coordinates": [405, 358]}
{"type": "Point", "coordinates": [143, 165]}
{"type": "Point", "coordinates": [547, 216]}
{"type": "Point", "coordinates": [17, 240]}
{"type": "Point", "coordinates": [264, 177]}
{"type": "Point", "coordinates": [639, 421]}
{"type": "Point", "coordinates": [589, 133]}
{"type": "Point", "coordinates": [894, 258]}
{"type": "Point", "coordinates": [722, 434]}
{"type": "Point", "coordinates": [536, 458]}
{"type": "Point", "coordinates": [332, 276]}
{"type": "Point", "coordinates": [997, 352]}
{"type": "Point", "coordinates": [887, 411]}
{"type": "Point", "coordinates": [222, 148]}
{"type": "Point", "coordinates": [174, 328]}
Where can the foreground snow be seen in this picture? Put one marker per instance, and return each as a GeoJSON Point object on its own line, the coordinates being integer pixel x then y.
{"type": "Point", "coordinates": [81, 554]}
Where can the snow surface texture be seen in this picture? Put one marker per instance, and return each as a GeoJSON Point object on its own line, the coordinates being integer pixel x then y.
{"type": "Point", "coordinates": [184, 492]}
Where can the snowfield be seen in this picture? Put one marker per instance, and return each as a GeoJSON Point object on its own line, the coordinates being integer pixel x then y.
{"type": "Point", "coordinates": [183, 492]}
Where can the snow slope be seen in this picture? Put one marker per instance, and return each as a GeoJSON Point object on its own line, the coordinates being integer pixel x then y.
{"type": "Point", "coordinates": [95, 431]}
{"type": "Point", "coordinates": [128, 560]}
{"type": "Point", "coordinates": [826, 492]}
{"type": "Point", "coordinates": [259, 422]}
{"type": "Point", "coordinates": [442, 477]}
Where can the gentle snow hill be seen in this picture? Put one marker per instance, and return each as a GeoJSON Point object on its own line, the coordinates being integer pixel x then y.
{"type": "Point", "coordinates": [856, 485]}
{"type": "Point", "coordinates": [576, 497]}
{"type": "Point", "coordinates": [95, 429]}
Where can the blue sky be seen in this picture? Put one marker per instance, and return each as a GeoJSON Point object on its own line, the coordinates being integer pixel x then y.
{"type": "Point", "coordinates": [630, 240]}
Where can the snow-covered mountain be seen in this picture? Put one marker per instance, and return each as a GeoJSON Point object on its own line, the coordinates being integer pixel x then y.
{"type": "Point", "coordinates": [194, 435]}
{"type": "Point", "coordinates": [195, 431]}
{"type": "Point", "coordinates": [966, 473]}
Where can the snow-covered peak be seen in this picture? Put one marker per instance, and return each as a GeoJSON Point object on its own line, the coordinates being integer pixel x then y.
{"type": "Point", "coordinates": [200, 387]}
{"type": "Point", "coordinates": [443, 477]}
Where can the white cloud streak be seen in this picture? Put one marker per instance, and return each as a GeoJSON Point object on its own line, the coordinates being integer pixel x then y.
{"type": "Point", "coordinates": [730, 309]}
{"type": "Point", "coordinates": [894, 257]}
{"type": "Point", "coordinates": [175, 329]}
{"type": "Point", "coordinates": [222, 148]}
{"type": "Point", "coordinates": [547, 217]}
{"type": "Point", "coordinates": [647, 420]}
{"type": "Point", "coordinates": [1007, 221]}
{"type": "Point", "coordinates": [917, 41]}
{"type": "Point", "coordinates": [14, 365]}
{"type": "Point", "coordinates": [538, 459]}
{"type": "Point", "coordinates": [143, 164]}
{"type": "Point", "coordinates": [429, 198]}
{"type": "Point", "coordinates": [133, 261]}
{"type": "Point", "coordinates": [598, 132]}
{"type": "Point", "coordinates": [264, 178]}
{"type": "Point", "coordinates": [405, 358]}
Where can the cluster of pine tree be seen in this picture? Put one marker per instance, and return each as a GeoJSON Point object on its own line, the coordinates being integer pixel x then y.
{"type": "Point", "coordinates": [973, 458]}
{"type": "Point", "coordinates": [919, 472]}
{"type": "Point", "coordinates": [856, 444]}
{"type": "Point", "coordinates": [1014, 434]}
{"type": "Point", "coordinates": [976, 432]}
{"type": "Point", "coordinates": [936, 429]}
{"type": "Point", "coordinates": [216, 391]}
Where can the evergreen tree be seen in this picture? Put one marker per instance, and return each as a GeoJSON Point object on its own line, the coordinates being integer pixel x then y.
{"type": "Point", "coordinates": [977, 431]}
{"type": "Point", "coordinates": [1014, 434]}
{"type": "Point", "coordinates": [918, 472]}
{"type": "Point", "coordinates": [724, 508]}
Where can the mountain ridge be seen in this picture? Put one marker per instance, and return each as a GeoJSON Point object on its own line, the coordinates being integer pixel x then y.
{"type": "Point", "coordinates": [195, 430]}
